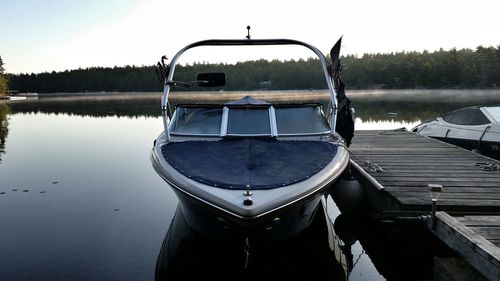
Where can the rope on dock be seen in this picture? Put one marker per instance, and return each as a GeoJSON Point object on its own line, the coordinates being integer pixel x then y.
{"type": "Point", "coordinates": [393, 132]}
{"type": "Point", "coordinates": [490, 167]}
{"type": "Point", "coordinates": [369, 166]}
{"type": "Point", "coordinates": [373, 167]}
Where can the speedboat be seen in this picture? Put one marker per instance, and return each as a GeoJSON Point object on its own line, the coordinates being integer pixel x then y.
{"type": "Point", "coordinates": [475, 128]}
{"type": "Point", "coordinates": [252, 166]}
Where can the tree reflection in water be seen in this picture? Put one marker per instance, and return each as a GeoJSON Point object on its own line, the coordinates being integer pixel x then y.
{"type": "Point", "coordinates": [4, 130]}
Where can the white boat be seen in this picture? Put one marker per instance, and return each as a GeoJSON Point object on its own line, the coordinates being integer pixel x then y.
{"type": "Point", "coordinates": [475, 128]}
{"type": "Point", "coordinates": [14, 98]}
{"type": "Point", "coordinates": [28, 95]}
{"type": "Point", "coordinates": [252, 167]}
{"type": "Point", "coordinates": [15, 93]}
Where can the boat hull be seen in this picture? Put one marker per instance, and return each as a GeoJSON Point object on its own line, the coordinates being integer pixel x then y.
{"type": "Point", "coordinates": [276, 213]}
{"type": "Point", "coordinates": [280, 224]}
{"type": "Point", "coordinates": [484, 139]}
{"type": "Point", "coordinates": [491, 149]}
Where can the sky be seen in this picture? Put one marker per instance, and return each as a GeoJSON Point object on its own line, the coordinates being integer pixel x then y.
{"type": "Point", "coordinates": [55, 35]}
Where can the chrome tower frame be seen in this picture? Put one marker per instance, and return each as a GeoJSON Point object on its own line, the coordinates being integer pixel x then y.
{"type": "Point", "coordinates": [248, 42]}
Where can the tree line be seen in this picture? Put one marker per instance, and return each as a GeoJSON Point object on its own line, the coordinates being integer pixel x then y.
{"type": "Point", "coordinates": [3, 79]}
{"type": "Point", "coordinates": [465, 68]}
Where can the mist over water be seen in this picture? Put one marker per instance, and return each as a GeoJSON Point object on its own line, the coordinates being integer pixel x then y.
{"type": "Point", "coordinates": [375, 109]}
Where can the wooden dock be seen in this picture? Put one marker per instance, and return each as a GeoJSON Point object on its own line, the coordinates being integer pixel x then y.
{"type": "Point", "coordinates": [396, 167]}
{"type": "Point", "coordinates": [409, 162]}
{"type": "Point", "coordinates": [475, 238]}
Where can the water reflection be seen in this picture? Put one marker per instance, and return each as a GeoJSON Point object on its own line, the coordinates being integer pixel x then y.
{"type": "Point", "coordinates": [337, 246]}
{"type": "Point", "coordinates": [399, 251]}
{"type": "Point", "coordinates": [4, 130]}
{"type": "Point", "coordinates": [79, 199]}
{"type": "Point", "coordinates": [94, 105]}
{"type": "Point", "coordinates": [403, 106]}
{"type": "Point", "coordinates": [185, 254]}
{"type": "Point", "coordinates": [416, 105]}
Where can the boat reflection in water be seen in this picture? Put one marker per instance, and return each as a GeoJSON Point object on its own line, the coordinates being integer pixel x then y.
{"type": "Point", "coordinates": [399, 250]}
{"type": "Point", "coordinates": [312, 253]}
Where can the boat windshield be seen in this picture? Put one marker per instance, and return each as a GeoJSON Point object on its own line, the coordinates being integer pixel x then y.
{"type": "Point", "coordinates": [469, 116]}
{"type": "Point", "coordinates": [305, 120]}
{"type": "Point", "coordinates": [197, 120]}
{"type": "Point", "coordinates": [494, 112]}
{"type": "Point", "coordinates": [249, 121]}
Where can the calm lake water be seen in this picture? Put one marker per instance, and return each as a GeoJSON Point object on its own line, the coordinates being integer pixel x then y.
{"type": "Point", "coordinates": [79, 199]}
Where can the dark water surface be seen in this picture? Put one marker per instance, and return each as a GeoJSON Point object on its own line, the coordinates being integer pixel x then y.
{"type": "Point", "coordinates": [79, 200]}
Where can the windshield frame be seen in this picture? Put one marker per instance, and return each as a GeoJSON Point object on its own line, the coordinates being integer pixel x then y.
{"type": "Point", "coordinates": [223, 126]}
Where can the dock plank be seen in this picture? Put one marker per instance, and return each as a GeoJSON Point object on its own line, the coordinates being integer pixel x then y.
{"type": "Point", "coordinates": [486, 226]}
{"type": "Point", "coordinates": [449, 190]}
{"type": "Point", "coordinates": [472, 221]}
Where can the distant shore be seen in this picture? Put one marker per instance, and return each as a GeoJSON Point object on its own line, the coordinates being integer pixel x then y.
{"type": "Point", "coordinates": [480, 96]}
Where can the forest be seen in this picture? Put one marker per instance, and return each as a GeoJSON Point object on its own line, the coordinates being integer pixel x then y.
{"type": "Point", "coordinates": [442, 69]}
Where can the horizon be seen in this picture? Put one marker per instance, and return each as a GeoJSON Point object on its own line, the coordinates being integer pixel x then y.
{"type": "Point", "coordinates": [61, 35]}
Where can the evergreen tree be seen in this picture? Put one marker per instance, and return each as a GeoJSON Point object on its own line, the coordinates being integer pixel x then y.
{"type": "Point", "coordinates": [3, 80]}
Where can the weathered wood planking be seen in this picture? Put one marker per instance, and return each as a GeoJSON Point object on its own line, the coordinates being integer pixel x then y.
{"type": "Point", "coordinates": [468, 236]}
{"type": "Point", "coordinates": [410, 162]}
{"type": "Point", "coordinates": [486, 226]}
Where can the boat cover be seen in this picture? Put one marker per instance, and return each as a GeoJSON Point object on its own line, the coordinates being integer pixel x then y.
{"type": "Point", "coordinates": [259, 163]}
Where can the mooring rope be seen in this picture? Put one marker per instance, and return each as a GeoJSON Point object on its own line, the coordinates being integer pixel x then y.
{"type": "Point", "coordinates": [392, 132]}
{"type": "Point", "coordinates": [489, 167]}
{"type": "Point", "coordinates": [368, 165]}
{"type": "Point", "coordinates": [246, 249]}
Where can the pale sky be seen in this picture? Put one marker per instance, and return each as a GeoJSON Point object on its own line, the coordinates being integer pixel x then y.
{"type": "Point", "coordinates": [38, 35]}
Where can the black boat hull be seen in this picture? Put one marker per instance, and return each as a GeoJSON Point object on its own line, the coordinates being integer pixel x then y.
{"type": "Point", "coordinates": [280, 224]}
